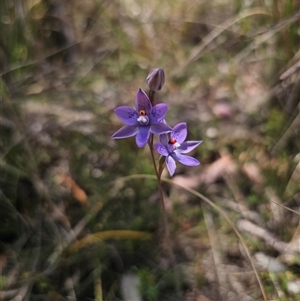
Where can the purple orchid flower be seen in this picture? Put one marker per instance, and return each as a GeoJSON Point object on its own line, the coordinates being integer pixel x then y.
{"type": "Point", "coordinates": [142, 120]}
{"type": "Point", "coordinates": [173, 146]}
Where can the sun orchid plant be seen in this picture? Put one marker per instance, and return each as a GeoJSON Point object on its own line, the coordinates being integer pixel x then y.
{"type": "Point", "coordinates": [147, 118]}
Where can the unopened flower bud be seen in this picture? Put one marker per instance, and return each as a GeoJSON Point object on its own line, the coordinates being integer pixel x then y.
{"type": "Point", "coordinates": [156, 79]}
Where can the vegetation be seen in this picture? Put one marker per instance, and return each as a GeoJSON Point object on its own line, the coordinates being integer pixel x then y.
{"type": "Point", "coordinates": [80, 212]}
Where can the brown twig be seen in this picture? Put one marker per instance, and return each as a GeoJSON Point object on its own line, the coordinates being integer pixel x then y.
{"type": "Point", "coordinates": [280, 246]}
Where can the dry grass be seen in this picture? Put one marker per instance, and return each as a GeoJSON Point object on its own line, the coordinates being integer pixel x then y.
{"type": "Point", "coordinates": [232, 73]}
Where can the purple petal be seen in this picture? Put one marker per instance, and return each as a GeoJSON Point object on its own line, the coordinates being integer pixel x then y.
{"type": "Point", "coordinates": [160, 128]}
{"type": "Point", "coordinates": [158, 113]}
{"type": "Point", "coordinates": [127, 114]}
{"type": "Point", "coordinates": [142, 102]}
{"type": "Point", "coordinates": [188, 146]}
{"type": "Point", "coordinates": [125, 132]}
{"type": "Point", "coordinates": [164, 139]}
{"type": "Point", "coordinates": [171, 165]}
{"type": "Point", "coordinates": [142, 136]}
{"type": "Point", "coordinates": [179, 132]}
{"type": "Point", "coordinates": [164, 121]}
{"type": "Point", "coordinates": [186, 160]}
{"type": "Point", "coordinates": [161, 149]}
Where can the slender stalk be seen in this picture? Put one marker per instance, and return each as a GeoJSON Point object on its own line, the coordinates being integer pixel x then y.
{"type": "Point", "coordinates": [161, 195]}
{"type": "Point", "coordinates": [151, 95]}
{"type": "Point", "coordinates": [166, 231]}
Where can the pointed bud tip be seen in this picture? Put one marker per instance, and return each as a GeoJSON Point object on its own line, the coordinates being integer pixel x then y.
{"type": "Point", "coordinates": [156, 79]}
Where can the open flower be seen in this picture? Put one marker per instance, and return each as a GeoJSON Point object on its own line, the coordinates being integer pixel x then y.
{"type": "Point", "coordinates": [142, 120]}
{"type": "Point", "coordinates": [172, 146]}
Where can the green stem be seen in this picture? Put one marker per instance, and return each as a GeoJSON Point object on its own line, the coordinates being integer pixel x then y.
{"type": "Point", "coordinates": [166, 231]}
{"type": "Point", "coordinates": [151, 95]}
{"type": "Point", "coordinates": [160, 191]}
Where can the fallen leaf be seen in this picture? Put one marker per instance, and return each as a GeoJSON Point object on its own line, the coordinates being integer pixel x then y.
{"type": "Point", "coordinates": [78, 193]}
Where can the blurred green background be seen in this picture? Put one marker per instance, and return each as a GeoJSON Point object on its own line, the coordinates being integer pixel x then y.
{"type": "Point", "coordinates": [71, 227]}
